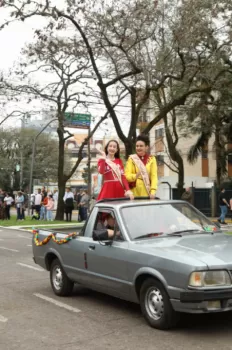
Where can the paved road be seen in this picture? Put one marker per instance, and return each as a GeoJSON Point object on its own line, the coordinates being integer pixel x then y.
{"type": "Point", "coordinates": [32, 317]}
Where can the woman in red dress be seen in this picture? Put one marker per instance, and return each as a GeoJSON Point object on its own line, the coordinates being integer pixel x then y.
{"type": "Point", "coordinates": [111, 167]}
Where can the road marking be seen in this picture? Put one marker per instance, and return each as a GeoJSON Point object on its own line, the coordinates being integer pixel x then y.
{"type": "Point", "coordinates": [3, 319]}
{"type": "Point", "coordinates": [57, 303]}
{"type": "Point", "coordinates": [11, 250]}
{"type": "Point", "coordinates": [21, 236]}
{"type": "Point", "coordinates": [29, 245]}
{"type": "Point", "coordinates": [30, 267]}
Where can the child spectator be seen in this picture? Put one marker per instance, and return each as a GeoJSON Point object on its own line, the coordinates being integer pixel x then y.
{"type": "Point", "coordinates": [49, 206]}
{"type": "Point", "coordinates": [35, 216]}
{"type": "Point", "coordinates": [43, 209]}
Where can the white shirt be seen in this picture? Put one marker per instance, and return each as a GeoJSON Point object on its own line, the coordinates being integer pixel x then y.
{"type": "Point", "coordinates": [55, 196]}
{"type": "Point", "coordinates": [38, 199]}
{"type": "Point", "coordinates": [68, 195]}
{"type": "Point", "coordinates": [8, 200]}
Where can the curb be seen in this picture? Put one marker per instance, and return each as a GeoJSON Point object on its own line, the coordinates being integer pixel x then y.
{"type": "Point", "coordinates": [24, 228]}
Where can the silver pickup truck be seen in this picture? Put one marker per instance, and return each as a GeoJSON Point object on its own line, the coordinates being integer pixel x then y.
{"type": "Point", "coordinates": [165, 255]}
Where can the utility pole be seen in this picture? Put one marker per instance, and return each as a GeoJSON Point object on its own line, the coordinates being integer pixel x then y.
{"type": "Point", "coordinates": [21, 153]}
{"type": "Point", "coordinates": [89, 169]}
{"type": "Point", "coordinates": [32, 161]}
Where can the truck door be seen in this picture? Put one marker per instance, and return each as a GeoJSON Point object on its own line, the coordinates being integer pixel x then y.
{"type": "Point", "coordinates": [107, 264]}
{"type": "Point", "coordinates": [75, 262]}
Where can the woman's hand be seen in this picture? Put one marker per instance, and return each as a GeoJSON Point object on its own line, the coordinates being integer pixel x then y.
{"type": "Point", "coordinates": [152, 196]}
{"type": "Point", "coordinates": [138, 175]}
{"type": "Point", "coordinates": [102, 155]}
{"type": "Point", "coordinates": [130, 195]}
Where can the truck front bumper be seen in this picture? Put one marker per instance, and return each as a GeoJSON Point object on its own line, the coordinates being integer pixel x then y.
{"type": "Point", "coordinates": [203, 301]}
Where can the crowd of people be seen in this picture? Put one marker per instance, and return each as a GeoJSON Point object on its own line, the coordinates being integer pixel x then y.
{"type": "Point", "coordinates": [43, 204]}
{"type": "Point", "coordinates": [7, 200]}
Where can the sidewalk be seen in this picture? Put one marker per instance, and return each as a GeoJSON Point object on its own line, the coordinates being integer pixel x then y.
{"type": "Point", "coordinates": [227, 220]}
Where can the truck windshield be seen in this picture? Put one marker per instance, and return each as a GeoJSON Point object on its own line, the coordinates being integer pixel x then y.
{"type": "Point", "coordinates": [156, 220]}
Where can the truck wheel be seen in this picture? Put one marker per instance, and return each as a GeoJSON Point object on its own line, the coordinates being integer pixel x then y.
{"type": "Point", "coordinates": [156, 306]}
{"type": "Point", "coordinates": [61, 284]}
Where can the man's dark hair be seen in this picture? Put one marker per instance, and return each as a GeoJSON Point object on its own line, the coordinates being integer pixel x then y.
{"type": "Point", "coordinates": [222, 189]}
{"type": "Point", "coordinates": [144, 138]}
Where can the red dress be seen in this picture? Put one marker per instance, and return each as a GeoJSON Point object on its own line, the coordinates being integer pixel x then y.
{"type": "Point", "coordinates": [112, 187]}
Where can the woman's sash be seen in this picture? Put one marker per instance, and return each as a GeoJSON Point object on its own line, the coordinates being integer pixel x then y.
{"type": "Point", "coordinates": [143, 171]}
{"type": "Point", "coordinates": [116, 170]}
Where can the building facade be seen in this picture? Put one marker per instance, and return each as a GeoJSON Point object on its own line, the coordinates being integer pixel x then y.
{"type": "Point", "coordinates": [201, 174]}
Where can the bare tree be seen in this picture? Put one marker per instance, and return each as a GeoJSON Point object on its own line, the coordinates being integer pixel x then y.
{"type": "Point", "coordinates": [63, 69]}
{"type": "Point", "coordinates": [142, 45]}
{"type": "Point", "coordinates": [145, 47]}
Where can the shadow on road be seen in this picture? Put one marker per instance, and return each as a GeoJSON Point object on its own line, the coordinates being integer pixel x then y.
{"type": "Point", "coordinates": [207, 324]}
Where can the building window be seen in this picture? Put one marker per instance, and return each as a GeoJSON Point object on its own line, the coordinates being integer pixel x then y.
{"type": "Point", "coordinates": [230, 158]}
{"type": "Point", "coordinates": [159, 133]}
{"type": "Point", "coordinates": [160, 159]}
{"type": "Point", "coordinates": [143, 117]}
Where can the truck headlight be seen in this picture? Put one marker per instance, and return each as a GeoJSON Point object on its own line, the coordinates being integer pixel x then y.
{"type": "Point", "coordinates": [209, 279]}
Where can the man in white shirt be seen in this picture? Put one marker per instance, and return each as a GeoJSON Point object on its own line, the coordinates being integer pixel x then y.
{"type": "Point", "coordinates": [55, 198]}
{"type": "Point", "coordinates": [8, 202]}
{"type": "Point", "coordinates": [69, 206]}
{"type": "Point", "coordinates": [38, 200]}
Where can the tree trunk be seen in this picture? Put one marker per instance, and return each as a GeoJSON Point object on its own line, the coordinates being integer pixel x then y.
{"type": "Point", "coordinates": [180, 184]}
{"type": "Point", "coordinates": [60, 207]}
{"type": "Point", "coordinates": [218, 155]}
{"type": "Point", "coordinates": [175, 155]}
{"type": "Point", "coordinates": [129, 148]}
{"type": "Point", "coordinates": [61, 179]}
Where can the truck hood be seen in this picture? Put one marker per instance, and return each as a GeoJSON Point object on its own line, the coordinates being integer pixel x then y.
{"type": "Point", "coordinates": [213, 250]}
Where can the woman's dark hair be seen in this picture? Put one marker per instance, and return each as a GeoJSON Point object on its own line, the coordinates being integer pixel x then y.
{"type": "Point", "coordinates": [144, 138]}
{"type": "Point", "coordinates": [117, 154]}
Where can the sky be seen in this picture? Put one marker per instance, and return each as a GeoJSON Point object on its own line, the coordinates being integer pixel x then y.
{"type": "Point", "coordinates": [12, 39]}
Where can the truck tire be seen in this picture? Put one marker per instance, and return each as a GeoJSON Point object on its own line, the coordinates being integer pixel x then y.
{"type": "Point", "coordinates": [61, 284]}
{"type": "Point", "coordinates": [156, 306]}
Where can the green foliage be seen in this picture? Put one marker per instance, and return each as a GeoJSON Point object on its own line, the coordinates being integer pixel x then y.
{"type": "Point", "coordinates": [93, 170]}
{"type": "Point", "coordinates": [16, 149]}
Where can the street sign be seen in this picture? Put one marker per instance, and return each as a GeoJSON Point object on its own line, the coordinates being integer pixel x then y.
{"type": "Point", "coordinates": [77, 120]}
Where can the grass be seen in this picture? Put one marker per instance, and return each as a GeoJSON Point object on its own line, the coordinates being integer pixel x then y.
{"type": "Point", "coordinates": [28, 221]}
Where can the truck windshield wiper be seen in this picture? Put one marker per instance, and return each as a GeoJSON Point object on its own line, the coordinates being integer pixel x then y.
{"type": "Point", "coordinates": [176, 233]}
{"type": "Point", "coordinates": [150, 235]}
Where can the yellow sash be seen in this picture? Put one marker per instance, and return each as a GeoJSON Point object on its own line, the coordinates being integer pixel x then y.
{"type": "Point", "coordinates": [143, 171]}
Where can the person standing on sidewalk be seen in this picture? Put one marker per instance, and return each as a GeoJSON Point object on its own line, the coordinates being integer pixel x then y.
{"type": "Point", "coordinates": [187, 195]}
{"type": "Point", "coordinates": [224, 205]}
{"type": "Point", "coordinates": [8, 200]}
{"type": "Point", "coordinates": [55, 198]}
{"type": "Point", "coordinates": [38, 201]}
{"type": "Point", "coordinates": [69, 203]}
{"type": "Point", "coordinates": [19, 205]}
{"type": "Point", "coordinates": [83, 206]}
{"type": "Point", "coordinates": [50, 207]}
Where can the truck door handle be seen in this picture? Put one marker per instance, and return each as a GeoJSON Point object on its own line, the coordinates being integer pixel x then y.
{"type": "Point", "coordinates": [91, 247]}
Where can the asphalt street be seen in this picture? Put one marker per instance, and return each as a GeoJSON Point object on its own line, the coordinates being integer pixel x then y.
{"type": "Point", "coordinates": [32, 317]}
